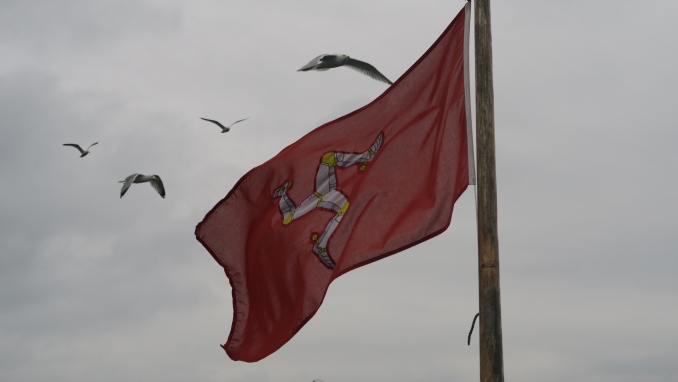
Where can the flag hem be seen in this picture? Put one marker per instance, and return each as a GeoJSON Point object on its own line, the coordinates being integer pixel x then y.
{"type": "Point", "coordinates": [467, 95]}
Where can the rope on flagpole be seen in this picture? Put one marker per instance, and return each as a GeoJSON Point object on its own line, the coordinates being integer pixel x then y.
{"type": "Point", "coordinates": [467, 96]}
{"type": "Point", "coordinates": [473, 324]}
{"type": "Point", "coordinates": [469, 123]}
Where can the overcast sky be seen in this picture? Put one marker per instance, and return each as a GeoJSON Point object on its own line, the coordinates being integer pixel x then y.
{"type": "Point", "coordinates": [95, 288]}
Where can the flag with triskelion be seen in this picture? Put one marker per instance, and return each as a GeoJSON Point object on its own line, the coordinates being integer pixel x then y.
{"type": "Point", "coordinates": [355, 190]}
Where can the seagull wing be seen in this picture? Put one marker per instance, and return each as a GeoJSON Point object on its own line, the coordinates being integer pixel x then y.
{"type": "Point", "coordinates": [76, 146]}
{"type": "Point", "coordinates": [215, 122]}
{"type": "Point", "coordinates": [157, 184]}
{"type": "Point", "coordinates": [238, 121]}
{"type": "Point", "coordinates": [128, 182]}
{"type": "Point", "coordinates": [95, 143]}
{"type": "Point", "coordinates": [367, 69]}
{"type": "Point", "coordinates": [311, 65]}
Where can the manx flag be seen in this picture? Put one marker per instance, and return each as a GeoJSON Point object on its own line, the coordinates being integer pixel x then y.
{"type": "Point", "coordinates": [353, 191]}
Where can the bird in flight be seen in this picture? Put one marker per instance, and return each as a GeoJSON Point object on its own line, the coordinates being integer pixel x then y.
{"type": "Point", "coordinates": [329, 61]}
{"type": "Point", "coordinates": [224, 129]}
{"type": "Point", "coordinates": [82, 152]}
{"type": "Point", "coordinates": [155, 180]}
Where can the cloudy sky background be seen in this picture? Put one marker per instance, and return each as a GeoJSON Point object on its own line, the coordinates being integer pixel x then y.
{"type": "Point", "coordinates": [94, 288]}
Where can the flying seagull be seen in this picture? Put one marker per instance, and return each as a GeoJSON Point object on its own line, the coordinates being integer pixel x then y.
{"type": "Point", "coordinates": [82, 152]}
{"type": "Point", "coordinates": [224, 129]}
{"type": "Point", "coordinates": [155, 180]}
{"type": "Point", "coordinates": [329, 61]}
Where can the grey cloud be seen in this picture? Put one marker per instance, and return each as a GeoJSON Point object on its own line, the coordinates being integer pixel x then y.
{"type": "Point", "coordinates": [97, 288]}
{"type": "Point", "coordinates": [52, 26]}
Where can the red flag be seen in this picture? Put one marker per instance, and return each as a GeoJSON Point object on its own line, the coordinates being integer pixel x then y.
{"type": "Point", "coordinates": [353, 191]}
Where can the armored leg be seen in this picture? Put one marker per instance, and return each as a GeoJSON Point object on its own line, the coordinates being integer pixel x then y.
{"type": "Point", "coordinates": [287, 208]}
{"type": "Point", "coordinates": [347, 159]}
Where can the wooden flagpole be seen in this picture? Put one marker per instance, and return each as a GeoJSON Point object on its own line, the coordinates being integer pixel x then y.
{"type": "Point", "coordinates": [491, 353]}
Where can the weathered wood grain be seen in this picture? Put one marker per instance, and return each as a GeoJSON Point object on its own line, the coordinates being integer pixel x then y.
{"type": "Point", "coordinates": [491, 352]}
